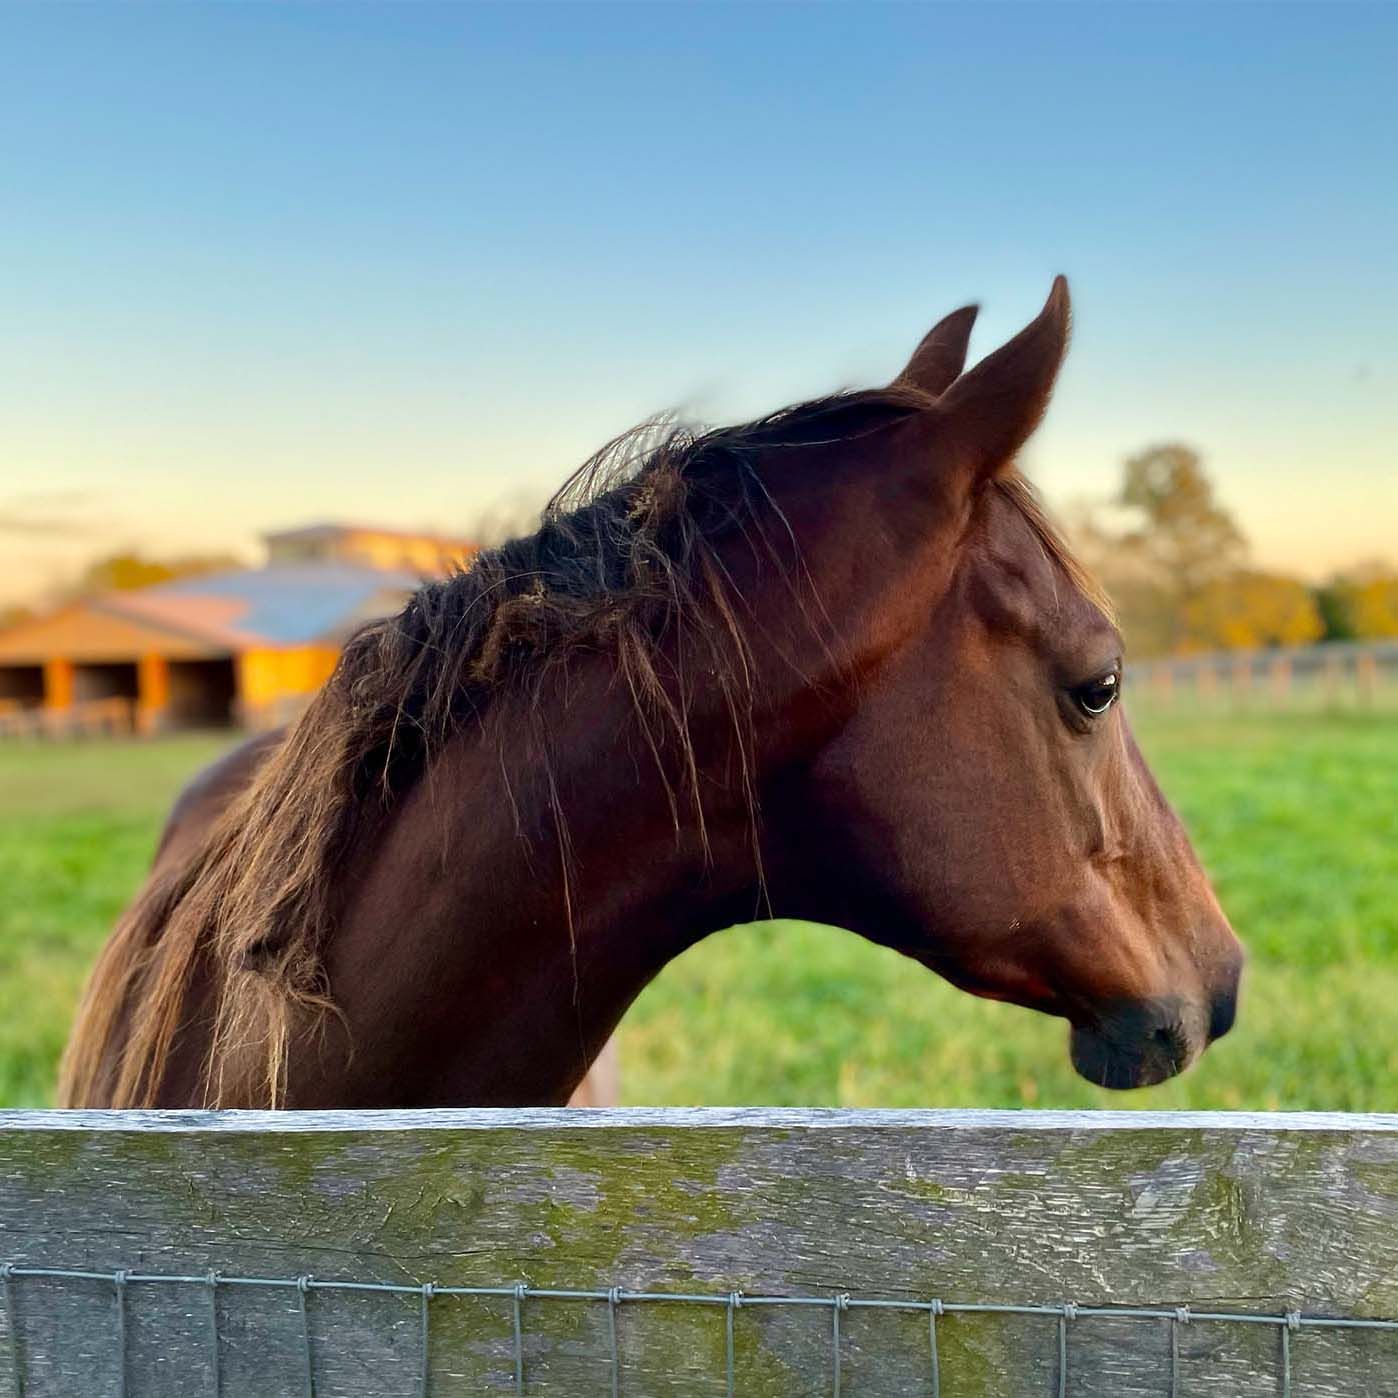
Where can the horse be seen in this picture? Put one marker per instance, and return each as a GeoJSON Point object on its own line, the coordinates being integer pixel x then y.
{"type": "Point", "coordinates": [832, 664]}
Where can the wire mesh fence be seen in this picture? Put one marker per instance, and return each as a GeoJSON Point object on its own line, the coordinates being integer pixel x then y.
{"type": "Point", "coordinates": [842, 1308]}
{"type": "Point", "coordinates": [773, 1253]}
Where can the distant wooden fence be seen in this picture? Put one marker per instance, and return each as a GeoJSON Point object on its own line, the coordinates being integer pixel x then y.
{"type": "Point", "coordinates": [123, 718]}
{"type": "Point", "coordinates": [90, 718]}
{"type": "Point", "coordinates": [1333, 676]}
{"type": "Point", "coordinates": [966, 1254]}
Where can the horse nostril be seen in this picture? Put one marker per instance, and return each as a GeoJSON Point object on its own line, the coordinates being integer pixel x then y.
{"type": "Point", "coordinates": [1170, 1037]}
{"type": "Point", "coordinates": [1223, 1013]}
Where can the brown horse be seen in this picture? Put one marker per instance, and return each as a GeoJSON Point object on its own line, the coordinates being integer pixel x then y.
{"type": "Point", "coordinates": [833, 664]}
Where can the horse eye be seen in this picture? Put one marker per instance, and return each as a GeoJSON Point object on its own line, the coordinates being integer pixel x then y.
{"type": "Point", "coordinates": [1097, 696]}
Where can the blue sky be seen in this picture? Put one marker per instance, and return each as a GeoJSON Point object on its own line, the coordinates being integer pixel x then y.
{"type": "Point", "coordinates": [267, 263]}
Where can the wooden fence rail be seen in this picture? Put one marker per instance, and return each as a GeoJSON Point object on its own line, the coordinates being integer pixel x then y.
{"type": "Point", "coordinates": [1337, 675]}
{"type": "Point", "coordinates": [1227, 1214]}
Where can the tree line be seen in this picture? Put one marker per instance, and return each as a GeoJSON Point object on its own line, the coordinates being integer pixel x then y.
{"type": "Point", "coordinates": [1179, 570]}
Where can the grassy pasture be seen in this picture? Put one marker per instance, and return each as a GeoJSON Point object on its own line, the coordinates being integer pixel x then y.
{"type": "Point", "coordinates": [1294, 814]}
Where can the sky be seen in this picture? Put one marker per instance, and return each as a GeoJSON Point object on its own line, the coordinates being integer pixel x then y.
{"type": "Point", "coordinates": [397, 263]}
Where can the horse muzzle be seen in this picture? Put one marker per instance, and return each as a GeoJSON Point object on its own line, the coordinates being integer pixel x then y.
{"type": "Point", "coordinates": [1140, 1043]}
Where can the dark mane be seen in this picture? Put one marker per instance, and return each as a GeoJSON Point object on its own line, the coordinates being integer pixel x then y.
{"type": "Point", "coordinates": [626, 552]}
{"type": "Point", "coordinates": [625, 542]}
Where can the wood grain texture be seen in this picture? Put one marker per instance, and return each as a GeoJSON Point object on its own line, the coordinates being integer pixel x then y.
{"type": "Point", "coordinates": [1218, 1211]}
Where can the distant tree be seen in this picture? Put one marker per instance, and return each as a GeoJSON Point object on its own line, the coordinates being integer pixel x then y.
{"type": "Point", "coordinates": [1178, 542]}
{"type": "Point", "coordinates": [1248, 610]}
{"type": "Point", "coordinates": [129, 571]}
{"type": "Point", "coordinates": [1363, 602]}
{"type": "Point", "coordinates": [1333, 612]}
{"type": "Point", "coordinates": [1183, 537]}
{"type": "Point", "coordinates": [121, 572]}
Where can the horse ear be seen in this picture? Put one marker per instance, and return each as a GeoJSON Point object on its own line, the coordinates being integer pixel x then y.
{"type": "Point", "coordinates": [988, 414]}
{"type": "Point", "coordinates": [941, 356]}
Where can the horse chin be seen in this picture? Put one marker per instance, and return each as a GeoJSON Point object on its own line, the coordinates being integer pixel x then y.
{"type": "Point", "coordinates": [1107, 1058]}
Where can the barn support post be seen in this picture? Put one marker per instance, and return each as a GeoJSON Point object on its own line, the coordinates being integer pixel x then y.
{"type": "Point", "coordinates": [58, 684]}
{"type": "Point", "coordinates": [699, 1252]}
{"type": "Point", "coordinates": [153, 693]}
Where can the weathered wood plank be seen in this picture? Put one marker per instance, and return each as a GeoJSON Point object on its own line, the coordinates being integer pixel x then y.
{"type": "Point", "coordinates": [1216, 1211]}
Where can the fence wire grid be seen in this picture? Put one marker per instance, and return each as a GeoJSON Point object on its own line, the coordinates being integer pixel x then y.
{"type": "Point", "coordinates": [1066, 1314]}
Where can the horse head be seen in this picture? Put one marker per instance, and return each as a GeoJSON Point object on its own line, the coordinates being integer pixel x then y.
{"type": "Point", "coordinates": [981, 804]}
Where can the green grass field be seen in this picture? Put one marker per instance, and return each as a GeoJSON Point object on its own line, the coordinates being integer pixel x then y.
{"type": "Point", "coordinates": [1294, 815]}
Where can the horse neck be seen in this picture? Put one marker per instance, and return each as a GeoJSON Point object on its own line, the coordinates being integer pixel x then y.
{"type": "Point", "coordinates": [527, 890]}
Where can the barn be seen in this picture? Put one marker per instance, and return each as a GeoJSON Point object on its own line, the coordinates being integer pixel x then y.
{"type": "Point", "coordinates": [244, 647]}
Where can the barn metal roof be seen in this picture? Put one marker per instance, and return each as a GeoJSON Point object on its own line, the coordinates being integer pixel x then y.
{"type": "Point", "coordinates": [282, 605]}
